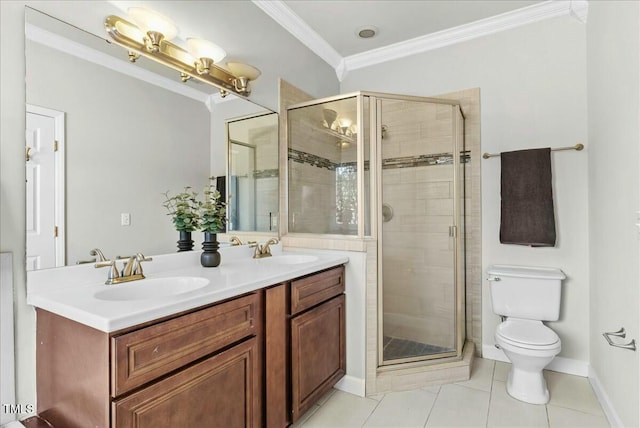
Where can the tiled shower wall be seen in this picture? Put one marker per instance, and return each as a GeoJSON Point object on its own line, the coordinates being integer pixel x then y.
{"type": "Point", "coordinates": [313, 161]}
{"type": "Point", "coordinates": [418, 253]}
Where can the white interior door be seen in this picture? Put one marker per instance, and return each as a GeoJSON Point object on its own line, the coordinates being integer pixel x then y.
{"type": "Point", "coordinates": [44, 188]}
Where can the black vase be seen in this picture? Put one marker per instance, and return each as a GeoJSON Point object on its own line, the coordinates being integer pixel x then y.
{"type": "Point", "coordinates": [210, 256]}
{"type": "Point", "coordinates": [185, 243]}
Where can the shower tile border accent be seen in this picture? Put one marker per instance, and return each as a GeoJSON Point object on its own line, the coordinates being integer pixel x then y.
{"type": "Point", "coordinates": [265, 173]}
{"type": "Point", "coordinates": [390, 163]}
{"type": "Point", "coordinates": [311, 159]}
{"type": "Point", "coordinates": [424, 160]}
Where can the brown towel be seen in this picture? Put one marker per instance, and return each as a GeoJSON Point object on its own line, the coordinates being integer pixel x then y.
{"type": "Point", "coordinates": [526, 214]}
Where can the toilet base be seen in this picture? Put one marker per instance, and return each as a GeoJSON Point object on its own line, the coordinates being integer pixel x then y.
{"type": "Point", "coordinates": [527, 386]}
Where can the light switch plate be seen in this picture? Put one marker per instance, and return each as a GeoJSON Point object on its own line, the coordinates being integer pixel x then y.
{"type": "Point", "coordinates": [125, 219]}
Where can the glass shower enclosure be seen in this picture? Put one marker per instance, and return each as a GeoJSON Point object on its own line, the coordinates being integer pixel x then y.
{"type": "Point", "coordinates": [390, 168]}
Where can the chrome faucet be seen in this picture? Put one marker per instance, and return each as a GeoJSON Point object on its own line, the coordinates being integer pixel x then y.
{"type": "Point", "coordinates": [261, 251]}
{"type": "Point", "coordinates": [131, 270]}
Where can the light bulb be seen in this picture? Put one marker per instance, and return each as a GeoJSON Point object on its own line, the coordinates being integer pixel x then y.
{"type": "Point", "coordinates": [201, 48]}
{"type": "Point", "coordinates": [247, 71]}
{"type": "Point", "coordinates": [150, 21]}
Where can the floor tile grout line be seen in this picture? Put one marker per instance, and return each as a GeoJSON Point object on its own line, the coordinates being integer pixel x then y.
{"type": "Point", "coordinates": [373, 410]}
{"type": "Point", "coordinates": [433, 405]}
{"type": "Point", "coordinates": [493, 375]}
{"type": "Point", "coordinates": [546, 413]}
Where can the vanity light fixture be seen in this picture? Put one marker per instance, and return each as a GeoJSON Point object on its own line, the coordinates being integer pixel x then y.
{"type": "Point", "coordinates": [154, 26]}
{"type": "Point", "coordinates": [206, 54]}
{"type": "Point", "coordinates": [148, 34]}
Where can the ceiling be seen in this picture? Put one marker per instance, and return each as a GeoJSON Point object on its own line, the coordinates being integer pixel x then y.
{"type": "Point", "coordinates": [337, 21]}
{"type": "Point", "coordinates": [404, 27]}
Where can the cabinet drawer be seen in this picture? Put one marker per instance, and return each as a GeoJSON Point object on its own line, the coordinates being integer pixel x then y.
{"type": "Point", "coordinates": [311, 290]}
{"type": "Point", "coordinates": [143, 355]}
{"type": "Point", "coordinates": [221, 391]}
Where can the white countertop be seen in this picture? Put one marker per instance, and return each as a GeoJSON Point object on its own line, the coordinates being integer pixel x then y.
{"type": "Point", "coordinates": [70, 291]}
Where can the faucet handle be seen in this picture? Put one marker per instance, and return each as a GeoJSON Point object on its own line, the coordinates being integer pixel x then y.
{"type": "Point", "coordinates": [138, 266]}
{"type": "Point", "coordinates": [234, 240]}
{"type": "Point", "coordinates": [142, 258]}
{"type": "Point", "coordinates": [113, 270]}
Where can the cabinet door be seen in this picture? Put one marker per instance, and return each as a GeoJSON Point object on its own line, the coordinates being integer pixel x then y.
{"type": "Point", "coordinates": [221, 391]}
{"type": "Point", "coordinates": [317, 353]}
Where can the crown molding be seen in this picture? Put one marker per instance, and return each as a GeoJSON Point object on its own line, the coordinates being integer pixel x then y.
{"type": "Point", "coordinates": [473, 30]}
{"type": "Point", "coordinates": [290, 21]}
{"type": "Point", "coordinates": [62, 44]}
{"type": "Point", "coordinates": [283, 15]}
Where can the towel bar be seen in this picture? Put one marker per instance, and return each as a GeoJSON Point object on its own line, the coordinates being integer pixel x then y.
{"type": "Point", "coordinates": [577, 147]}
{"type": "Point", "coordinates": [620, 333]}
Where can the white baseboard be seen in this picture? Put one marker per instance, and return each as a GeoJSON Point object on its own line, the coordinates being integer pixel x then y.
{"type": "Point", "coordinates": [605, 402]}
{"type": "Point", "coordinates": [352, 385]}
{"type": "Point", "coordinates": [559, 364]}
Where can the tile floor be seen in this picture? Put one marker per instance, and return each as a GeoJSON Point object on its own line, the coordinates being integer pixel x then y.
{"type": "Point", "coordinates": [481, 401]}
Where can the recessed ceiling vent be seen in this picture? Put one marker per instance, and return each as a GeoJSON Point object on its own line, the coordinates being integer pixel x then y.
{"type": "Point", "coordinates": [367, 32]}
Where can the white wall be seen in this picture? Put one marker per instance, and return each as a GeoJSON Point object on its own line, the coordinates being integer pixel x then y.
{"type": "Point", "coordinates": [613, 70]}
{"type": "Point", "coordinates": [533, 94]}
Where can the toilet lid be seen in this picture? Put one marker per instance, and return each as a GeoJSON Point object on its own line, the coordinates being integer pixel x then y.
{"type": "Point", "coordinates": [527, 332]}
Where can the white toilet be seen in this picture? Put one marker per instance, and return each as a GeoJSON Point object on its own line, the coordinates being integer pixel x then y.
{"type": "Point", "coordinates": [526, 296]}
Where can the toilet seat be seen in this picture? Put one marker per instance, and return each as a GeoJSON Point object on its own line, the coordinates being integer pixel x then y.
{"type": "Point", "coordinates": [530, 334]}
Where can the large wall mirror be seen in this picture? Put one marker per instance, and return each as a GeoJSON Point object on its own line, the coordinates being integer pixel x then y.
{"type": "Point", "coordinates": [105, 140]}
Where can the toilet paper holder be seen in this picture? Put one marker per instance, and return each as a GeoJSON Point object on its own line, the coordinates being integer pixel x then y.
{"type": "Point", "coordinates": [620, 333]}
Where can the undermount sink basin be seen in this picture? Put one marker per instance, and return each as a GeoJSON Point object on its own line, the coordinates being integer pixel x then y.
{"type": "Point", "coordinates": [292, 259]}
{"type": "Point", "coordinates": [152, 288]}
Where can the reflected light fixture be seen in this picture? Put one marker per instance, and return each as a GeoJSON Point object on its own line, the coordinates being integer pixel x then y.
{"type": "Point", "coordinates": [148, 34]}
{"type": "Point", "coordinates": [345, 126]}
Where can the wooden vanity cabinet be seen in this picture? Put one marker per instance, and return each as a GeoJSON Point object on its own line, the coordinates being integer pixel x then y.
{"type": "Point", "coordinates": [261, 359]}
{"type": "Point", "coordinates": [305, 343]}
{"type": "Point", "coordinates": [202, 368]}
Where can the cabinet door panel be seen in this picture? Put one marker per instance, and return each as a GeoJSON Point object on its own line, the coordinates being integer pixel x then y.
{"type": "Point", "coordinates": [317, 353]}
{"type": "Point", "coordinates": [221, 391]}
{"type": "Point", "coordinates": [146, 354]}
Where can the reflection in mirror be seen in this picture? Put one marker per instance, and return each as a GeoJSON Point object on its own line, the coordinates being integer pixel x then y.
{"type": "Point", "coordinates": [131, 132]}
{"type": "Point", "coordinates": [253, 173]}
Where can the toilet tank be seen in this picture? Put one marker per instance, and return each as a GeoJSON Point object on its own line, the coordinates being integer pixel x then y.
{"type": "Point", "coordinates": [526, 292]}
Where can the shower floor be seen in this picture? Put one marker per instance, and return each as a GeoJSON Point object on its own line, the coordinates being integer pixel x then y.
{"type": "Point", "coordinates": [395, 348]}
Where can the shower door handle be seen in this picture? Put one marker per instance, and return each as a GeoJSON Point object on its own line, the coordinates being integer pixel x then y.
{"type": "Point", "coordinates": [453, 231]}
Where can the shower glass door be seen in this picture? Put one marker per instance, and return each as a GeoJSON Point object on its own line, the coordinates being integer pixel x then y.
{"type": "Point", "coordinates": [421, 202]}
